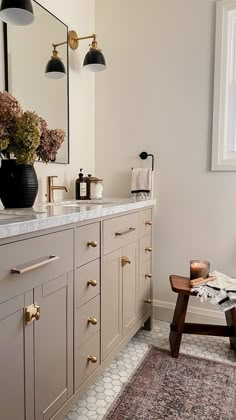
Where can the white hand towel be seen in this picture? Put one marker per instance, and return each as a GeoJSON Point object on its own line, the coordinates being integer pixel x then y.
{"type": "Point", "coordinates": [141, 180]}
{"type": "Point", "coordinates": [141, 183]}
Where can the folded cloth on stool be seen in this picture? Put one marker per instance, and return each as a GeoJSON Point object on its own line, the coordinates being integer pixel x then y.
{"type": "Point", "coordinates": [221, 291]}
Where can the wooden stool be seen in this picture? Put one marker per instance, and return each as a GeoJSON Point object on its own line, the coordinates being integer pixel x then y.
{"type": "Point", "coordinates": [178, 326]}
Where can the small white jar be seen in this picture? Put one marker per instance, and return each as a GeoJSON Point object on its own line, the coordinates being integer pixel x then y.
{"type": "Point", "coordinates": [96, 189]}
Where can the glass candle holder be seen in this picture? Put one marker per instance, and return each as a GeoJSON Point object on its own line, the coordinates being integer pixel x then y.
{"type": "Point", "coordinates": [199, 268]}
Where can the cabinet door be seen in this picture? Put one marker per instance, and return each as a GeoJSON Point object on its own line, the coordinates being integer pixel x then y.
{"type": "Point", "coordinates": [53, 346]}
{"type": "Point", "coordinates": [16, 360]}
{"type": "Point", "coordinates": [111, 302]}
{"type": "Point", "coordinates": [145, 294]}
{"type": "Point", "coordinates": [130, 288]}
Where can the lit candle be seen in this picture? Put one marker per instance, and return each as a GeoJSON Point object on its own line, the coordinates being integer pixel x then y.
{"type": "Point", "coordinates": [199, 268]}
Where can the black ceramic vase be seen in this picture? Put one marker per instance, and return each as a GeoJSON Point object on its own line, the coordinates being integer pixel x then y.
{"type": "Point", "coordinates": [18, 184]}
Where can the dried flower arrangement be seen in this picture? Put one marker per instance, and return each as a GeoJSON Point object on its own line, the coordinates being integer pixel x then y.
{"type": "Point", "coordinates": [25, 134]}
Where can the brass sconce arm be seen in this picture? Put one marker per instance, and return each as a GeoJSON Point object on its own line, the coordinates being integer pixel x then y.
{"type": "Point", "coordinates": [73, 40]}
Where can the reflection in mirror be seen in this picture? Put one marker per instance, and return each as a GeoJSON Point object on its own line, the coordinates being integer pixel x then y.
{"type": "Point", "coordinates": [28, 50]}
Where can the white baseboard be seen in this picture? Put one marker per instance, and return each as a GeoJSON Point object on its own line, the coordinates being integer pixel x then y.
{"type": "Point", "coordinates": [164, 311]}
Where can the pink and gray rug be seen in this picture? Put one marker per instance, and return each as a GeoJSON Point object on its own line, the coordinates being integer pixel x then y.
{"type": "Point", "coordinates": [187, 388]}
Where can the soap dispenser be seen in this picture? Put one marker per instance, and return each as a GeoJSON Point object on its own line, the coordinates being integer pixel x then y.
{"type": "Point", "coordinates": [81, 187]}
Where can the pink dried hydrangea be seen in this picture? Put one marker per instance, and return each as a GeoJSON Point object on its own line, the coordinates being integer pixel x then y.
{"type": "Point", "coordinates": [50, 142]}
{"type": "Point", "coordinates": [10, 110]}
{"type": "Point", "coordinates": [25, 134]}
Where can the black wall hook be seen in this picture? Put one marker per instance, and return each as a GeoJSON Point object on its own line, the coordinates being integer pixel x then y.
{"type": "Point", "coordinates": [145, 155]}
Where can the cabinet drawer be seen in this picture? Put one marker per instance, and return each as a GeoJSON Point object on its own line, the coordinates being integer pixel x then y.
{"type": "Point", "coordinates": [145, 218]}
{"type": "Point", "coordinates": [145, 248]}
{"type": "Point", "coordinates": [120, 231]}
{"type": "Point", "coordinates": [87, 283]}
{"type": "Point", "coordinates": [32, 258]}
{"type": "Point", "coordinates": [83, 366]}
{"type": "Point", "coordinates": [87, 243]}
{"type": "Point", "coordinates": [84, 329]}
{"type": "Point", "coordinates": [145, 291]}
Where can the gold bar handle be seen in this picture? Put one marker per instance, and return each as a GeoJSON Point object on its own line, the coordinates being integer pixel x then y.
{"type": "Point", "coordinates": [51, 259]}
{"type": "Point", "coordinates": [148, 301]}
{"type": "Point", "coordinates": [148, 249]}
{"type": "Point", "coordinates": [92, 321]}
{"type": "Point", "coordinates": [148, 223]}
{"type": "Point", "coordinates": [124, 232]}
{"type": "Point", "coordinates": [92, 282]}
{"type": "Point", "coordinates": [148, 275]}
{"type": "Point", "coordinates": [94, 244]}
{"type": "Point", "coordinates": [92, 359]}
{"type": "Point", "coordinates": [125, 260]}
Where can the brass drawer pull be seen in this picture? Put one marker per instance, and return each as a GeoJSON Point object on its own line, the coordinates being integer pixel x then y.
{"type": "Point", "coordinates": [148, 301]}
{"type": "Point", "coordinates": [51, 259]}
{"type": "Point", "coordinates": [92, 282]}
{"type": "Point", "coordinates": [124, 232]}
{"type": "Point", "coordinates": [94, 244]}
{"type": "Point", "coordinates": [92, 321]}
{"type": "Point", "coordinates": [32, 313]}
{"type": "Point", "coordinates": [148, 275]}
{"type": "Point", "coordinates": [92, 359]}
{"type": "Point", "coordinates": [148, 223]}
{"type": "Point", "coordinates": [148, 249]}
{"type": "Point", "coordinates": [125, 260]}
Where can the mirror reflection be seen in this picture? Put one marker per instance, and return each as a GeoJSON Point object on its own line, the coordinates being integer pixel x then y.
{"type": "Point", "coordinates": [28, 49]}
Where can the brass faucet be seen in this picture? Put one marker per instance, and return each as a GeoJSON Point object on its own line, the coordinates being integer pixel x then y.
{"type": "Point", "coordinates": [51, 188]}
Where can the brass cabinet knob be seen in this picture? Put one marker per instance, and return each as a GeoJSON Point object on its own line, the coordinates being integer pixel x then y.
{"type": "Point", "coordinates": [148, 223]}
{"type": "Point", "coordinates": [32, 313]}
{"type": "Point", "coordinates": [148, 249]}
{"type": "Point", "coordinates": [37, 315]}
{"type": "Point", "coordinates": [92, 282]}
{"type": "Point", "coordinates": [92, 321]}
{"type": "Point", "coordinates": [148, 275]}
{"type": "Point", "coordinates": [92, 359]}
{"type": "Point", "coordinates": [94, 244]}
{"type": "Point", "coordinates": [125, 260]}
{"type": "Point", "coordinates": [148, 301]}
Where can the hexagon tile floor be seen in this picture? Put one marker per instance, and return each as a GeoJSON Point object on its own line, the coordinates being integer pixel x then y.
{"type": "Point", "coordinates": [96, 401]}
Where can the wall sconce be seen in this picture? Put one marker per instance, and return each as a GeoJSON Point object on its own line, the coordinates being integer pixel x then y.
{"type": "Point", "coordinates": [17, 12]}
{"type": "Point", "coordinates": [93, 61]}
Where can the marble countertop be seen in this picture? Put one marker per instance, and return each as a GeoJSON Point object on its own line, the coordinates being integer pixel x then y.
{"type": "Point", "coordinates": [48, 215]}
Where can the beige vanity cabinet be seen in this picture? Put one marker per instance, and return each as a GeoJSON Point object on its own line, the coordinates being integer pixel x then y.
{"type": "Point", "coordinates": [36, 326]}
{"type": "Point", "coordinates": [70, 299]}
{"type": "Point", "coordinates": [119, 285]}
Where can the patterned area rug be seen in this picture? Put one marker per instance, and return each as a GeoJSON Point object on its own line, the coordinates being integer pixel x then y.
{"type": "Point", "coordinates": [187, 388]}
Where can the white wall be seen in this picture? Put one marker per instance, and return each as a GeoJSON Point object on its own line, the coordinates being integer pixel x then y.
{"type": "Point", "coordinates": [80, 16]}
{"type": "Point", "coordinates": [156, 96]}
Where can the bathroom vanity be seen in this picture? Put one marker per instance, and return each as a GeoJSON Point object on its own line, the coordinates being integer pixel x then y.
{"type": "Point", "coordinates": [75, 286]}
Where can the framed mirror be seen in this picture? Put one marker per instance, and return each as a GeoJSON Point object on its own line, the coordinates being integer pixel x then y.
{"type": "Point", "coordinates": [27, 50]}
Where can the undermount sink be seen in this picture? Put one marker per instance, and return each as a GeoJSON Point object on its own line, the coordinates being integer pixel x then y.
{"type": "Point", "coordinates": [79, 203]}
{"type": "Point", "coordinates": [8, 216]}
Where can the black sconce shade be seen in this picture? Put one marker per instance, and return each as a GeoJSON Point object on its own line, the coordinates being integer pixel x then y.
{"type": "Point", "coordinates": [94, 60]}
{"type": "Point", "coordinates": [55, 69]}
{"type": "Point", "coordinates": [17, 12]}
